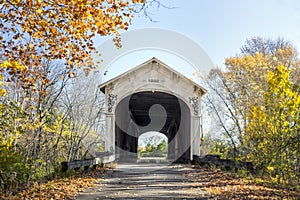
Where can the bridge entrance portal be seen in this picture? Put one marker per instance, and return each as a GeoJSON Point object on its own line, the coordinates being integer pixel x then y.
{"type": "Point", "coordinates": [152, 97]}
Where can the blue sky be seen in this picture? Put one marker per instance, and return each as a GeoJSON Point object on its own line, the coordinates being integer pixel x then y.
{"type": "Point", "coordinates": [221, 27]}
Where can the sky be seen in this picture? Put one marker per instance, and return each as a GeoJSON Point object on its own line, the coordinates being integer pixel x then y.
{"type": "Point", "coordinates": [159, 138]}
{"type": "Point", "coordinates": [221, 27]}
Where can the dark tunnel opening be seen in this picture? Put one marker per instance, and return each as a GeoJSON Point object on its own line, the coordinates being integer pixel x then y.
{"type": "Point", "coordinates": [133, 118]}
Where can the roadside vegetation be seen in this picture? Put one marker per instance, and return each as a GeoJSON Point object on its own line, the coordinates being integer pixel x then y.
{"type": "Point", "coordinates": [52, 110]}
{"type": "Point", "coordinates": [154, 146]}
{"type": "Point", "coordinates": [255, 102]}
{"type": "Point", "coordinates": [50, 106]}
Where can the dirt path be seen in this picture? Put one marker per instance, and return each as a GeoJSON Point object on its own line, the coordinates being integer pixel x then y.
{"type": "Point", "coordinates": [145, 181]}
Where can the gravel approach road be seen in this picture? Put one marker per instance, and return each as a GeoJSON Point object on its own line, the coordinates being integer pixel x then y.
{"type": "Point", "coordinates": [145, 181]}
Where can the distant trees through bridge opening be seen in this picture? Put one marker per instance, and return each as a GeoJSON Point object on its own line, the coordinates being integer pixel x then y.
{"type": "Point", "coordinates": [152, 145]}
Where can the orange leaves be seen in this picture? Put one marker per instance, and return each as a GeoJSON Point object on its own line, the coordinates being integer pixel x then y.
{"type": "Point", "coordinates": [223, 186]}
{"type": "Point", "coordinates": [138, 1]}
{"type": "Point", "coordinates": [61, 188]}
{"type": "Point", "coordinates": [41, 26]}
{"type": "Point", "coordinates": [53, 30]}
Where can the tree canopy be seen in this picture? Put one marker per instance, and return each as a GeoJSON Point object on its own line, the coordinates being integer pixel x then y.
{"type": "Point", "coordinates": [256, 103]}
{"type": "Point", "coordinates": [34, 31]}
{"type": "Point", "coordinates": [50, 111]}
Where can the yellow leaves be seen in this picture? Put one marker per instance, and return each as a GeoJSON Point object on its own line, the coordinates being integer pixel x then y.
{"type": "Point", "coordinates": [247, 62]}
{"type": "Point", "coordinates": [6, 142]}
{"type": "Point", "coordinates": [5, 64]}
{"type": "Point", "coordinates": [48, 129]}
{"type": "Point", "coordinates": [2, 92]}
{"type": "Point", "coordinates": [286, 124]}
{"type": "Point", "coordinates": [39, 11]}
{"type": "Point", "coordinates": [279, 81]}
{"type": "Point", "coordinates": [31, 46]}
{"type": "Point", "coordinates": [274, 123]}
{"type": "Point", "coordinates": [12, 65]}
{"type": "Point", "coordinates": [89, 15]}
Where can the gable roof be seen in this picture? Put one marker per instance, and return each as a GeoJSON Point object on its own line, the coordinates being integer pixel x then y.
{"type": "Point", "coordinates": [152, 60]}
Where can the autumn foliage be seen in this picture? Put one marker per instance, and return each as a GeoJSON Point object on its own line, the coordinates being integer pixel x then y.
{"type": "Point", "coordinates": [33, 31]}
{"type": "Point", "coordinates": [48, 117]}
{"type": "Point", "coordinates": [256, 101]}
{"type": "Point", "coordinates": [45, 49]}
{"type": "Point", "coordinates": [273, 130]}
{"type": "Point", "coordinates": [222, 185]}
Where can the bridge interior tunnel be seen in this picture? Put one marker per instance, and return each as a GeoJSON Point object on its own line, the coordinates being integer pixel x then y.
{"type": "Point", "coordinates": [152, 111]}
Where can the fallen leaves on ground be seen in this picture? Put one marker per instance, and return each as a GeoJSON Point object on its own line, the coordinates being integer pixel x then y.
{"type": "Point", "coordinates": [223, 186]}
{"type": "Point", "coordinates": [64, 188]}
